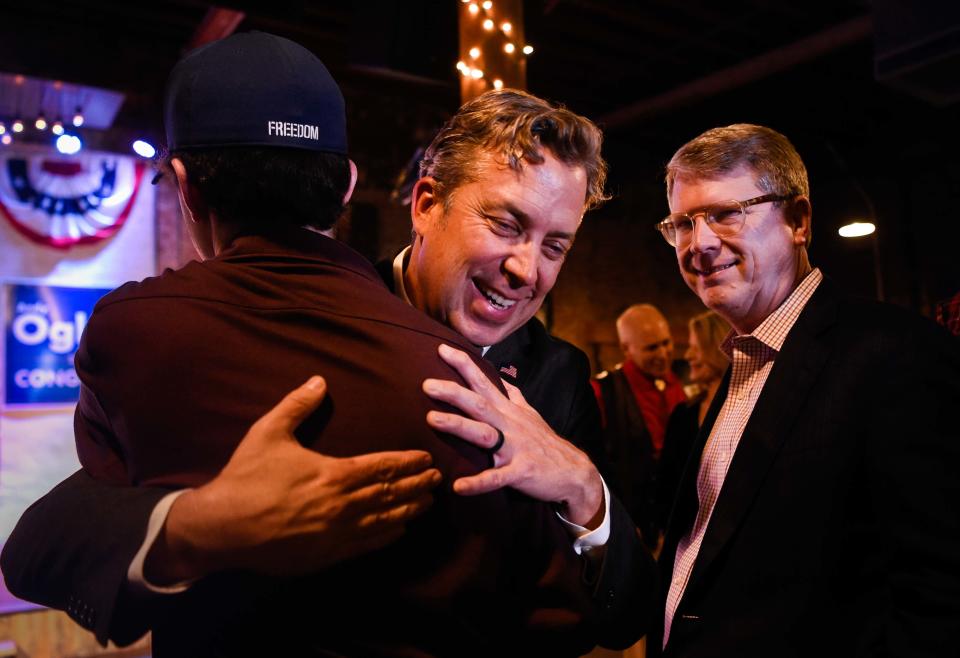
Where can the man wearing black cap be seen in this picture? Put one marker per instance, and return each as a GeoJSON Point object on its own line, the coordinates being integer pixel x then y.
{"type": "Point", "coordinates": [215, 342]}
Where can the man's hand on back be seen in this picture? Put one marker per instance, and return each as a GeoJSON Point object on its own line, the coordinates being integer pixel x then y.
{"type": "Point", "coordinates": [279, 508]}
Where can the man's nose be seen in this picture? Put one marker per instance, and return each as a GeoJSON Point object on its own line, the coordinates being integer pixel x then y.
{"type": "Point", "coordinates": [521, 265]}
{"type": "Point", "coordinates": [703, 237]}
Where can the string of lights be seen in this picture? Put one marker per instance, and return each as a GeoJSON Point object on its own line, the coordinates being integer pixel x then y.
{"type": "Point", "coordinates": [51, 95]}
{"type": "Point", "coordinates": [33, 110]}
{"type": "Point", "coordinates": [485, 65]}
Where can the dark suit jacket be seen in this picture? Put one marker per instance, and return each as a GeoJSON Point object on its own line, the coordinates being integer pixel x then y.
{"type": "Point", "coordinates": [554, 377]}
{"type": "Point", "coordinates": [836, 530]}
{"type": "Point", "coordinates": [374, 347]}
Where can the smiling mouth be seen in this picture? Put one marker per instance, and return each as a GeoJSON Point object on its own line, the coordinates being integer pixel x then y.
{"type": "Point", "coordinates": [712, 270]}
{"type": "Point", "coordinates": [497, 301]}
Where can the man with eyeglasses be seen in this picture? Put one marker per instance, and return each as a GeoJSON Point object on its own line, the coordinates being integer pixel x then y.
{"type": "Point", "coordinates": [821, 517]}
{"type": "Point", "coordinates": [821, 514]}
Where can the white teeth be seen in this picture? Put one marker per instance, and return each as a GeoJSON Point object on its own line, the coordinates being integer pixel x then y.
{"type": "Point", "coordinates": [495, 299]}
{"type": "Point", "coordinates": [717, 269]}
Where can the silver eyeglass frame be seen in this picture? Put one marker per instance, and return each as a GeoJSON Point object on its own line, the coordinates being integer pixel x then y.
{"type": "Point", "coordinates": [667, 227]}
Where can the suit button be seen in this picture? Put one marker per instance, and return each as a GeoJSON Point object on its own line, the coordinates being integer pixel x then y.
{"type": "Point", "coordinates": [609, 599]}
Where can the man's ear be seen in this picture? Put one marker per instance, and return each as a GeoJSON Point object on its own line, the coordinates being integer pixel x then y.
{"type": "Point", "coordinates": [799, 215]}
{"type": "Point", "coordinates": [424, 205]}
{"type": "Point", "coordinates": [194, 207]}
{"type": "Point", "coordinates": [353, 182]}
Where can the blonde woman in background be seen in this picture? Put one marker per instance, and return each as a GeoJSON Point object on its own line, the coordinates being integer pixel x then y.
{"type": "Point", "coordinates": [707, 365]}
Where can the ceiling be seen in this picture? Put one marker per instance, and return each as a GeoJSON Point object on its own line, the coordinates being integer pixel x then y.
{"type": "Point", "coordinates": [653, 73]}
{"type": "Point", "coordinates": [623, 63]}
{"type": "Point", "coordinates": [597, 56]}
{"type": "Point", "coordinates": [631, 65]}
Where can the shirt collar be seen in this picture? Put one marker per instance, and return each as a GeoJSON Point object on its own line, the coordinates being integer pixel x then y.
{"type": "Point", "coordinates": [398, 287]}
{"type": "Point", "coordinates": [772, 332]}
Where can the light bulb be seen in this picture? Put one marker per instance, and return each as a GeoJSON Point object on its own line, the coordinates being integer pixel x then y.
{"type": "Point", "coordinates": [69, 144]}
{"type": "Point", "coordinates": [857, 229]}
{"type": "Point", "coordinates": [144, 149]}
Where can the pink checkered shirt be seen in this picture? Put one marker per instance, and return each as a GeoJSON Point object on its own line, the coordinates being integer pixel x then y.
{"type": "Point", "coordinates": [752, 356]}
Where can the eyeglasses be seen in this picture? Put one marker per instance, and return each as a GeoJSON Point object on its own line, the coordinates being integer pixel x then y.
{"type": "Point", "coordinates": [724, 219]}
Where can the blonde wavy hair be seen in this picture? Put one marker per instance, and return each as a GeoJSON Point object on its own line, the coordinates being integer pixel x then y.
{"type": "Point", "coordinates": [515, 127]}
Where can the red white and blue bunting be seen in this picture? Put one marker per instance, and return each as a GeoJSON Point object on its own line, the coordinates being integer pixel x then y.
{"type": "Point", "coordinates": [64, 201]}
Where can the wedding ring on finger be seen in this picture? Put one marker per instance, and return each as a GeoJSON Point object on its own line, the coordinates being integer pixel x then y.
{"type": "Point", "coordinates": [492, 450]}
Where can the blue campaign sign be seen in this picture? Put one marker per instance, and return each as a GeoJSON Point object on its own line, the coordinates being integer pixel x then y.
{"type": "Point", "coordinates": [43, 325]}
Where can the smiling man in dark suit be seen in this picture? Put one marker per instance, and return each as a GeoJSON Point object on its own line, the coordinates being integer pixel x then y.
{"type": "Point", "coordinates": [820, 516]}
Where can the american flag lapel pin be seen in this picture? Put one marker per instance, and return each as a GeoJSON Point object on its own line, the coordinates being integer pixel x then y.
{"type": "Point", "coordinates": [509, 370]}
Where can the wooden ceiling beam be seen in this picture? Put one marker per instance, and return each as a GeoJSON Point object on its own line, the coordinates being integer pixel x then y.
{"type": "Point", "coordinates": [748, 71]}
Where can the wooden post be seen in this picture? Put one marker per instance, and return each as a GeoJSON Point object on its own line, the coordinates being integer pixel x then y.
{"type": "Point", "coordinates": [491, 46]}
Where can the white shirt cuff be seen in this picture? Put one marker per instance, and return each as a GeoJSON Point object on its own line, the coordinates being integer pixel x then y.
{"type": "Point", "coordinates": [135, 576]}
{"type": "Point", "coordinates": [586, 540]}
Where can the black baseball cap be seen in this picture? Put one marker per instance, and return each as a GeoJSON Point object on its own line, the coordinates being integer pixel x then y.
{"type": "Point", "coordinates": [254, 89]}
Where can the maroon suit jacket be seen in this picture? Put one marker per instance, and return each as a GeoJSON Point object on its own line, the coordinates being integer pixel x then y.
{"type": "Point", "coordinates": [177, 367]}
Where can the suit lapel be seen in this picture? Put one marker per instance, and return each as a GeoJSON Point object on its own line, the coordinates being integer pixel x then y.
{"type": "Point", "coordinates": [793, 375]}
{"type": "Point", "coordinates": [512, 358]}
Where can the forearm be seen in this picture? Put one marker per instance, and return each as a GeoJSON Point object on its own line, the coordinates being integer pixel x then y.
{"type": "Point", "coordinates": [165, 575]}
{"type": "Point", "coordinates": [196, 536]}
